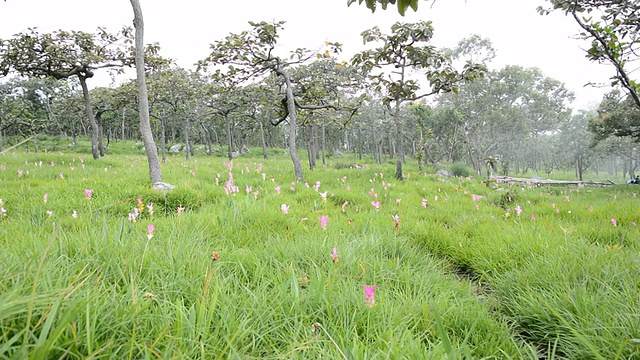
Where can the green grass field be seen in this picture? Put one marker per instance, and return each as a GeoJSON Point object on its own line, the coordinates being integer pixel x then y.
{"type": "Point", "coordinates": [94, 264]}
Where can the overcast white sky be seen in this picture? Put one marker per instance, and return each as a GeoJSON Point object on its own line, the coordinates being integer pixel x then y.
{"type": "Point", "coordinates": [185, 28]}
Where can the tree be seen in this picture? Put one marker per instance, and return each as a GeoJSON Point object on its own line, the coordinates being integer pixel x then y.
{"type": "Point", "coordinates": [612, 26]}
{"type": "Point", "coordinates": [249, 56]}
{"type": "Point", "coordinates": [65, 54]}
{"type": "Point", "coordinates": [501, 112]}
{"type": "Point", "coordinates": [403, 5]}
{"type": "Point", "coordinates": [155, 172]}
{"type": "Point", "coordinates": [617, 116]}
{"type": "Point", "coordinates": [404, 50]}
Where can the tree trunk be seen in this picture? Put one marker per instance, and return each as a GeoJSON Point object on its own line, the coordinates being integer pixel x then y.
{"type": "Point", "coordinates": [399, 139]}
{"type": "Point", "coordinates": [187, 145]}
{"type": "Point", "coordinates": [264, 142]}
{"type": "Point", "coordinates": [163, 139]}
{"type": "Point", "coordinates": [155, 172]}
{"type": "Point", "coordinates": [100, 133]}
{"type": "Point", "coordinates": [123, 137]}
{"type": "Point", "coordinates": [324, 144]}
{"type": "Point", "coordinates": [293, 126]}
{"type": "Point", "coordinates": [92, 120]}
{"type": "Point", "coordinates": [227, 126]}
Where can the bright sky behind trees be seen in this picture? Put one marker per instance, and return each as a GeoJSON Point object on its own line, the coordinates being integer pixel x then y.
{"type": "Point", "coordinates": [185, 29]}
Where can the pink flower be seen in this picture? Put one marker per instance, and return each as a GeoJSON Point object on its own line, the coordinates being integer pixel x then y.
{"type": "Point", "coordinates": [75, 214]}
{"type": "Point", "coordinates": [284, 208]}
{"type": "Point", "coordinates": [424, 203]}
{"type": "Point", "coordinates": [278, 189]}
{"type": "Point", "coordinates": [369, 295]}
{"type": "Point", "coordinates": [553, 205]}
{"type": "Point", "coordinates": [566, 198]}
{"type": "Point", "coordinates": [180, 209]}
{"type": "Point", "coordinates": [590, 208]}
{"type": "Point", "coordinates": [323, 196]}
{"type": "Point", "coordinates": [396, 222]}
{"type": "Point", "coordinates": [533, 216]}
{"type": "Point", "coordinates": [376, 204]}
{"type": "Point", "coordinates": [475, 197]}
{"type": "Point", "coordinates": [323, 221]}
{"type": "Point", "coordinates": [45, 197]}
{"type": "Point", "coordinates": [614, 222]}
{"type": "Point", "coordinates": [150, 208]}
{"type": "Point", "coordinates": [334, 255]}
{"type": "Point", "coordinates": [150, 230]}
{"type": "Point", "coordinates": [398, 201]}
{"type": "Point", "coordinates": [344, 205]}
{"type": "Point", "coordinates": [87, 193]}
{"type": "Point", "coordinates": [518, 210]}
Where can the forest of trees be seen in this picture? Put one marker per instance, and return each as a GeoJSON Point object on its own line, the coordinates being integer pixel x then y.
{"type": "Point", "coordinates": [401, 101]}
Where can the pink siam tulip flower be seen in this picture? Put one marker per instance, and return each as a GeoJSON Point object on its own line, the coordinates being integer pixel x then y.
{"type": "Point", "coordinates": [45, 198]}
{"type": "Point", "coordinates": [424, 203]}
{"type": "Point", "coordinates": [334, 255]}
{"type": "Point", "coordinates": [533, 216]}
{"type": "Point", "coordinates": [475, 197]}
{"type": "Point", "coordinates": [369, 295]}
{"type": "Point", "coordinates": [396, 222]}
{"type": "Point", "coordinates": [49, 213]}
{"type": "Point", "coordinates": [398, 201]}
{"type": "Point", "coordinates": [180, 209]}
{"type": "Point", "coordinates": [590, 208]}
{"type": "Point", "coordinates": [518, 210]}
{"type": "Point", "coordinates": [278, 189]}
{"type": "Point", "coordinates": [376, 204]}
{"type": "Point", "coordinates": [614, 222]}
{"type": "Point", "coordinates": [150, 208]}
{"type": "Point", "coordinates": [150, 230]}
{"type": "Point", "coordinates": [74, 214]}
{"type": "Point", "coordinates": [323, 222]}
{"type": "Point", "coordinates": [323, 196]}
{"type": "Point", "coordinates": [284, 208]}
{"type": "Point", "coordinates": [88, 193]}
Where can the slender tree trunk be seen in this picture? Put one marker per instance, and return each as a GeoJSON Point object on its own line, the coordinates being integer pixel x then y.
{"type": "Point", "coordinates": [155, 172]}
{"type": "Point", "coordinates": [100, 133]}
{"type": "Point", "coordinates": [293, 126]}
{"type": "Point", "coordinates": [399, 139]}
{"type": "Point", "coordinates": [187, 144]}
{"type": "Point", "coordinates": [123, 137]}
{"type": "Point", "coordinates": [227, 125]}
{"type": "Point", "coordinates": [163, 139]}
{"type": "Point", "coordinates": [92, 120]}
{"type": "Point", "coordinates": [324, 144]}
{"type": "Point", "coordinates": [263, 140]}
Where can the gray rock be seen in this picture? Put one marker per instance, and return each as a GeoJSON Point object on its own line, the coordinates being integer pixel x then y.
{"type": "Point", "coordinates": [162, 186]}
{"type": "Point", "coordinates": [175, 148]}
{"type": "Point", "coordinates": [444, 173]}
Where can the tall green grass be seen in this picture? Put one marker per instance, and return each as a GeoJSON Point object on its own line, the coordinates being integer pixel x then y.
{"type": "Point", "coordinates": [231, 275]}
